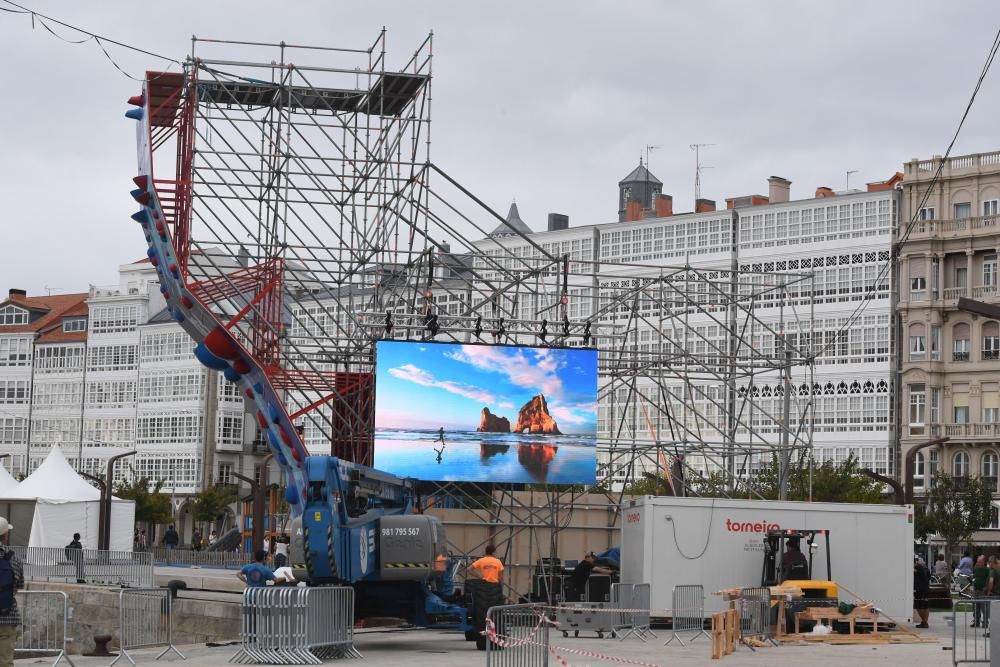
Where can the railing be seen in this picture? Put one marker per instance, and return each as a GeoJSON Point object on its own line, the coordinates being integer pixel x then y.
{"type": "Point", "coordinates": [973, 430]}
{"type": "Point", "coordinates": [43, 624]}
{"type": "Point", "coordinates": [145, 620]}
{"type": "Point", "coordinates": [296, 626]}
{"type": "Point", "coordinates": [632, 600]}
{"type": "Point", "coordinates": [955, 292]}
{"type": "Point", "coordinates": [970, 641]}
{"type": "Point", "coordinates": [89, 566]}
{"type": "Point", "coordinates": [517, 636]}
{"type": "Point", "coordinates": [980, 291]}
{"type": "Point", "coordinates": [958, 163]}
{"type": "Point", "coordinates": [985, 224]}
{"type": "Point", "coordinates": [991, 355]}
{"type": "Point", "coordinates": [959, 356]}
{"type": "Point", "coordinates": [227, 560]}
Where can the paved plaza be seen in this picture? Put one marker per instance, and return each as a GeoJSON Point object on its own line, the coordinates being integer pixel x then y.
{"type": "Point", "coordinates": [415, 648]}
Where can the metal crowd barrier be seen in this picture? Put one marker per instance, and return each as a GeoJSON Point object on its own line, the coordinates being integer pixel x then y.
{"type": "Point", "coordinates": [517, 636]}
{"type": "Point", "coordinates": [755, 614]}
{"type": "Point", "coordinates": [688, 613]}
{"type": "Point", "coordinates": [91, 566]}
{"type": "Point", "coordinates": [44, 624]}
{"type": "Point", "coordinates": [224, 560]}
{"type": "Point", "coordinates": [971, 644]}
{"type": "Point", "coordinates": [296, 626]}
{"type": "Point", "coordinates": [634, 600]}
{"type": "Point", "coordinates": [145, 619]}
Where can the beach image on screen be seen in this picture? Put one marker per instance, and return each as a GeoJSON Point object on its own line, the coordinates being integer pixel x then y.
{"type": "Point", "coordinates": [486, 413]}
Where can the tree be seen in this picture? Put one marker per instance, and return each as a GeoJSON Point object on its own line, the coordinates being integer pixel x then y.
{"type": "Point", "coordinates": [209, 505]}
{"type": "Point", "coordinates": [831, 483]}
{"type": "Point", "coordinates": [955, 508]}
{"type": "Point", "coordinates": [151, 507]}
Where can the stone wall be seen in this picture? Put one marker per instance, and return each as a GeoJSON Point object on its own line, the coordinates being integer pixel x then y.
{"type": "Point", "coordinates": [94, 611]}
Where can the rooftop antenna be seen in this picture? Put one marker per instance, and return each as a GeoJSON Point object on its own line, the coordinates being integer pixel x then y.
{"type": "Point", "coordinates": [650, 148]}
{"type": "Point", "coordinates": [698, 166]}
{"type": "Point", "coordinates": [50, 289]}
{"type": "Point", "coordinates": [849, 172]}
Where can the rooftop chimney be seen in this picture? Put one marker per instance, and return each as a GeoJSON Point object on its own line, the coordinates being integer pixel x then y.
{"type": "Point", "coordinates": [633, 211]}
{"type": "Point", "coordinates": [558, 221]}
{"type": "Point", "coordinates": [664, 206]}
{"type": "Point", "coordinates": [704, 205]}
{"type": "Point", "coordinates": [823, 191]}
{"type": "Point", "coordinates": [444, 248]}
{"type": "Point", "coordinates": [777, 189]}
{"type": "Point", "coordinates": [17, 293]}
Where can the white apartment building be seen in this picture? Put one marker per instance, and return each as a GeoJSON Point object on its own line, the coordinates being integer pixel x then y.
{"type": "Point", "coordinates": [109, 371]}
{"type": "Point", "coordinates": [843, 238]}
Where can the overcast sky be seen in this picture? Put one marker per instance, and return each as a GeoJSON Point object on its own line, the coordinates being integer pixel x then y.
{"type": "Point", "coordinates": [548, 102]}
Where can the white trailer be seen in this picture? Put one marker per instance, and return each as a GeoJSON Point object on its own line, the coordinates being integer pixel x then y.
{"type": "Point", "coordinates": [719, 543]}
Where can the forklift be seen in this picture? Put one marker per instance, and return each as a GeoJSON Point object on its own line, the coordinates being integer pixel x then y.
{"type": "Point", "coordinates": [815, 592]}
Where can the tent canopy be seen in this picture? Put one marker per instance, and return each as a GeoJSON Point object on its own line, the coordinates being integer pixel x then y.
{"type": "Point", "coordinates": [54, 479]}
{"type": "Point", "coordinates": [8, 484]}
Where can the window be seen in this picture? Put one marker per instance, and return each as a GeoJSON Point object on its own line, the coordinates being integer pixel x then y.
{"type": "Point", "coordinates": [991, 207]}
{"type": "Point", "coordinates": [990, 270]}
{"type": "Point", "coordinates": [962, 210]}
{"type": "Point", "coordinates": [10, 315]}
{"type": "Point", "coordinates": [111, 394]}
{"type": "Point", "coordinates": [14, 351]}
{"type": "Point", "coordinates": [932, 463]}
{"type": "Point", "coordinates": [935, 342]}
{"type": "Point", "coordinates": [960, 403]}
{"type": "Point", "coordinates": [57, 394]}
{"type": "Point", "coordinates": [961, 276]}
{"type": "Point", "coordinates": [960, 342]}
{"type": "Point", "coordinates": [113, 319]}
{"type": "Point", "coordinates": [991, 402]}
{"type": "Point", "coordinates": [226, 473]}
{"type": "Point", "coordinates": [46, 431]}
{"type": "Point", "coordinates": [991, 341]}
{"type": "Point", "coordinates": [13, 430]}
{"type": "Point", "coordinates": [935, 413]}
{"type": "Point", "coordinates": [75, 324]}
{"type": "Point", "coordinates": [918, 401]}
{"type": "Point", "coordinates": [160, 429]}
{"type": "Point", "coordinates": [112, 358]}
{"type": "Point", "coordinates": [14, 391]}
{"type": "Point", "coordinates": [172, 346]}
{"type": "Point", "coordinates": [960, 464]}
{"type": "Point", "coordinates": [990, 467]}
{"type": "Point", "coordinates": [918, 345]}
{"type": "Point", "coordinates": [113, 430]}
{"type": "Point", "coordinates": [918, 469]}
{"type": "Point", "coordinates": [927, 213]}
{"type": "Point", "coordinates": [188, 385]}
{"type": "Point", "coordinates": [59, 358]}
{"type": "Point", "coordinates": [176, 470]}
{"type": "Point", "coordinates": [918, 285]}
{"type": "Point", "coordinates": [229, 432]}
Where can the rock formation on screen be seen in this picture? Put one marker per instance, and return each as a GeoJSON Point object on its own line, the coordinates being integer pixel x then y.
{"type": "Point", "coordinates": [491, 423]}
{"type": "Point", "coordinates": [534, 417]}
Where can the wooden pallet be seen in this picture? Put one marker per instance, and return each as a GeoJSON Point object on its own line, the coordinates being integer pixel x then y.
{"type": "Point", "coordinates": [725, 631]}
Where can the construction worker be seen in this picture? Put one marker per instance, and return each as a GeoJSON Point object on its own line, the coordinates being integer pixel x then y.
{"type": "Point", "coordinates": [489, 566]}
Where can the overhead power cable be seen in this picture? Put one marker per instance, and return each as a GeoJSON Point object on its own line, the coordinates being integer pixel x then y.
{"type": "Point", "coordinates": [867, 298]}
{"type": "Point", "coordinates": [101, 40]}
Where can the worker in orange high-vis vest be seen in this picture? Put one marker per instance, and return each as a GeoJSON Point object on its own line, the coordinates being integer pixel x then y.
{"type": "Point", "coordinates": [489, 566]}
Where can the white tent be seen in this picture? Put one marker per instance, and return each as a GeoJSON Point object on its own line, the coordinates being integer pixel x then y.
{"type": "Point", "coordinates": [7, 483]}
{"type": "Point", "coordinates": [65, 503]}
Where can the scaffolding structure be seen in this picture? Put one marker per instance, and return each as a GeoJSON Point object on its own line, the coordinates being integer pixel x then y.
{"type": "Point", "coordinates": [305, 208]}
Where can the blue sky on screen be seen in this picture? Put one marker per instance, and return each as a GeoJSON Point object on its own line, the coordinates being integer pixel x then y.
{"type": "Point", "coordinates": [434, 385]}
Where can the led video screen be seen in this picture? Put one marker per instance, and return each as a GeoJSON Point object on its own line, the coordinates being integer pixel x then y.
{"type": "Point", "coordinates": [486, 413]}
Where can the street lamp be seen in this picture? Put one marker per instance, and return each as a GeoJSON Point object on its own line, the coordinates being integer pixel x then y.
{"type": "Point", "coordinates": [258, 491]}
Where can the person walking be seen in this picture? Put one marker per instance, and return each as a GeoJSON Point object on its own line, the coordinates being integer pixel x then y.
{"type": "Point", "coordinates": [965, 565]}
{"type": "Point", "coordinates": [196, 540]}
{"type": "Point", "coordinates": [980, 586]}
{"type": "Point", "coordinates": [921, 591]}
{"type": "Point", "coordinates": [142, 542]}
{"type": "Point", "coordinates": [256, 574]}
{"type": "Point", "coordinates": [212, 537]}
{"type": "Point", "coordinates": [281, 551]}
{"type": "Point", "coordinates": [11, 580]}
{"type": "Point", "coordinates": [942, 571]}
{"type": "Point", "coordinates": [170, 538]}
{"type": "Point", "coordinates": [74, 552]}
